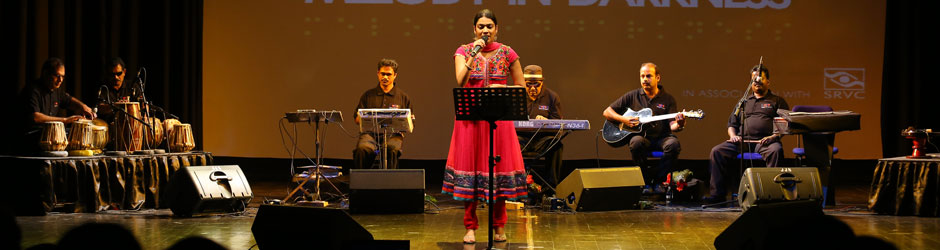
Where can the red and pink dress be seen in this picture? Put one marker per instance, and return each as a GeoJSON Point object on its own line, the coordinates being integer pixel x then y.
{"type": "Point", "coordinates": [467, 173]}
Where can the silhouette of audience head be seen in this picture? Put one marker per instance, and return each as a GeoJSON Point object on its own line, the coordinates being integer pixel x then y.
{"type": "Point", "coordinates": [99, 236]}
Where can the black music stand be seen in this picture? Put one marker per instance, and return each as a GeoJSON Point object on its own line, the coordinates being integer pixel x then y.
{"type": "Point", "coordinates": [490, 105]}
{"type": "Point", "coordinates": [389, 121]}
{"type": "Point", "coordinates": [315, 117]}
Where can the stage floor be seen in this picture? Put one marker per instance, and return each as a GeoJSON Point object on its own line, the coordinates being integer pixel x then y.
{"type": "Point", "coordinates": [665, 227]}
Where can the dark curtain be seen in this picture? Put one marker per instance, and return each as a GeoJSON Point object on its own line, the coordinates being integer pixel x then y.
{"type": "Point", "coordinates": [165, 37]}
{"type": "Point", "coordinates": [908, 83]}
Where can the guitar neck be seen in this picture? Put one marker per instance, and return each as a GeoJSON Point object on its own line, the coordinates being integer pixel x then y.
{"type": "Point", "coordinates": [658, 118]}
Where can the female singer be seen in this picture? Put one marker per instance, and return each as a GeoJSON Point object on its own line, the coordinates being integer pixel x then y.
{"type": "Point", "coordinates": [467, 173]}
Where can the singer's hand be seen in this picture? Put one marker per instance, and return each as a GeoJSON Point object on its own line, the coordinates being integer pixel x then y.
{"type": "Point", "coordinates": [478, 42]}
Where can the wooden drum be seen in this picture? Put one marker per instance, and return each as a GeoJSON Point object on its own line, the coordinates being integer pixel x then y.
{"type": "Point", "coordinates": [53, 137]}
{"type": "Point", "coordinates": [153, 138]}
{"type": "Point", "coordinates": [181, 138]}
{"type": "Point", "coordinates": [128, 132]}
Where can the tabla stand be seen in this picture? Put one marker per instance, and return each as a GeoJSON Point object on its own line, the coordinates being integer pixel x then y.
{"type": "Point", "coordinates": [316, 117]}
{"type": "Point", "coordinates": [490, 105]}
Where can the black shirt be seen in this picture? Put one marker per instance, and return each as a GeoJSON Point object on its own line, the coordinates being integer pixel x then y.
{"type": "Point", "coordinates": [115, 95]}
{"type": "Point", "coordinates": [759, 116]}
{"type": "Point", "coordinates": [375, 98]}
{"type": "Point", "coordinates": [546, 104]}
{"type": "Point", "coordinates": [38, 98]}
{"type": "Point", "coordinates": [662, 104]}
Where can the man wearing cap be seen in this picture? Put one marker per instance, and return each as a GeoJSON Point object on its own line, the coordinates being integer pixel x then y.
{"type": "Point", "coordinates": [543, 103]}
{"type": "Point", "coordinates": [656, 135]}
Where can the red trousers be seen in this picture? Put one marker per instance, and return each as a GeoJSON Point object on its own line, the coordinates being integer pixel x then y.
{"type": "Point", "coordinates": [470, 214]}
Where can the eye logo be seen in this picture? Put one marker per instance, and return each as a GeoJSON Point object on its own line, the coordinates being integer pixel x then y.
{"type": "Point", "coordinates": [844, 83]}
{"type": "Point", "coordinates": [844, 79]}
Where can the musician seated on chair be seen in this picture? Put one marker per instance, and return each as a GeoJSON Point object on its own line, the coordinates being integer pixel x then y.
{"type": "Point", "coordinates": [385, 95]}
{"type": "Point", "coordinates": [45, 100]}
{"type": "Point", "coordinates": [543, 103]}
{"type": "Point", "coordinates": [754, 132]}
{"type": "Point", "coordinates": [657, 135]}
{"type": "Point", "coordinates": [114, 74]}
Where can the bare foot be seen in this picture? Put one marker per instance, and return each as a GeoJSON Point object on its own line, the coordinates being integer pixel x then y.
{"type": "Point", "coordinates": [469, 237]}
{"type": "Point", "coordinates": [499, 235]}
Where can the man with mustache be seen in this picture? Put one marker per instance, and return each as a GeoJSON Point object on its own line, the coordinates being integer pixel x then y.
{"type": "Point", "coordinates": [45, 101]}
{"type": "Point", "coordinates": [656, 135]}
{"type": "Point", "coordinates": [543, 103]}
{"type": "Point", "coordinates": [385, 95]}
{"type": "Point", "coordinates": [118, 91]}
{"type": "Point", "coordinates": [757, 125]}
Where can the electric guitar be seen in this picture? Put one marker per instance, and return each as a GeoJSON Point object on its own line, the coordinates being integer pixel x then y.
{"type": "Point", "coordinates": [614, 132]}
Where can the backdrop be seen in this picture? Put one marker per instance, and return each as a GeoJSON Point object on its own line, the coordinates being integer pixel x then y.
{"type": "Point", "coordinates": [264, 58]}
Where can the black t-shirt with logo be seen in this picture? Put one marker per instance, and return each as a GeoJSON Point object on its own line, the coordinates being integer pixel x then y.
{"type": "Point", "coordinates": [375, 98]}
{"type": "Point", "coordinates": [759, 116]}
{"type": "Point", "coordinates": [546, 104]}
{"type": "Point", "coordinates": [662, 103]}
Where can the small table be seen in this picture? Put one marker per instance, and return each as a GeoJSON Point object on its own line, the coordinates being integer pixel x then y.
{"type": "Point", "coordinates": [904, 186]}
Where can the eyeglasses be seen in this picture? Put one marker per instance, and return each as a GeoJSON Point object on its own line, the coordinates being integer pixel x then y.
{"type": "Point", "coordinates": [533, 83]}
{"type": "Point", "coordinates": [118, 74]}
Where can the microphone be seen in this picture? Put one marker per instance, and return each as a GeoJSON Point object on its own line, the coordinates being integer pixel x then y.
{"type": "Point", "coordinates": [476, 49]}
{"type": "Point", "coordinates": [760, 65]}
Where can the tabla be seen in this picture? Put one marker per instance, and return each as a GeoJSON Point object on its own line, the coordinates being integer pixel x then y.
{"type": "Point", "coordinates": [181, 138]}
{"type": "Point", "coordinates": [128, 132]}
{"type": "Point", "coordinates": [168, 126]}
{"type": "Point", "coordinates": [153, 138]}
{"type": "Point", "coordinates": [53, 137]}
{"type": "Point", "coordinates": [80, 135]}
{"type": "Point", "coordinates": [100, 133]}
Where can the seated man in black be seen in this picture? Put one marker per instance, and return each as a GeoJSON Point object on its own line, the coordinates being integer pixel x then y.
{"type": "Point", "coordinates": [117, 90]}
{"type": "Point", "coordinates": [45, 100]}
{"type": "Point", "coordinates": [385, 95]}
{"type": "Point", "coordinates": [657, 135]}
{"type": "Point", "coordinates": [543, 103]}
{"type": "Point", "coordinates": [755, 132]}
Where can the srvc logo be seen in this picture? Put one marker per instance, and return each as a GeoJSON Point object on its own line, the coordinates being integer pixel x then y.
{"type": "Point", "coordinates": [844, 83]}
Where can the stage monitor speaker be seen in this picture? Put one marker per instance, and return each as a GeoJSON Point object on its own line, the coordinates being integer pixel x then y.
{"type": "Point", "coordinates": [786, 225]}
{"type": "Point", "coordinates": [602, 189]}
{"type": "Point", "coordinates": [205, 189]}
{"type": "Point", "coordinates": [778, 184]}
{"type": "Point", "coordinates": [291, 227]}
{"type": "Point", "coordinates": [386, 191]}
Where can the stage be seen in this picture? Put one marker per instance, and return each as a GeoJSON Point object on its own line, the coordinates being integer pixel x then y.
{"type": "Point", "coordinates": [684, 226]}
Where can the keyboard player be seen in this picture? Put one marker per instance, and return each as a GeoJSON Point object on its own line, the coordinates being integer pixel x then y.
{"type": "Point", "coordinates": [543, 103]}
{"type": "Point", "coordinates": [385, 95]}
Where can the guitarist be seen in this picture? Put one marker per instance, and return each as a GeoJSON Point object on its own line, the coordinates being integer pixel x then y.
{"type": "Point", "coordinates": [543, 103]}
{"type": "Point", "coordinates": [755, 132]}
{"type": "Point", "coordinates": [656, 135]}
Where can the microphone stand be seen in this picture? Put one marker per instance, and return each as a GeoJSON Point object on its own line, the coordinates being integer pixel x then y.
{"type": "Point", "coordinates": [166, 133]}
{"type": "Point", "coordinates": [146, 105]}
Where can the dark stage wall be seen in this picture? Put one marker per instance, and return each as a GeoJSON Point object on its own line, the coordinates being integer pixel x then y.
{"type": "Point", "coordinates": [305, 56]}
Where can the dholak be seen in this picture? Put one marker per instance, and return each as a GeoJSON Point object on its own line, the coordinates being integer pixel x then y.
{"type": "Point", "coordinates": [81, 136]}
{"type": "Point", "coordinates": [100, 133]}
{"type": "Point", "coordinates": [154, 137]}
{"type": "Point", "coordinates": [128, 132]}
{"type": "Point", "coordinates": [53, 137]}
{"type": "Point", "coordinates": [181, 139]}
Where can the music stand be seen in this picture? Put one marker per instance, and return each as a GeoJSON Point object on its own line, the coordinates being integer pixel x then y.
{"type": "Point", "coordinates": [490, 105]}
{"type": "Point", "coordinates": [315, 117]}
{"type": "Point", "coordinates": [385, 121]}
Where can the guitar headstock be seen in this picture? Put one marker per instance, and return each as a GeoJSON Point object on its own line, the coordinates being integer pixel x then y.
{"type": "Point", "coordinates": [697, 114]}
